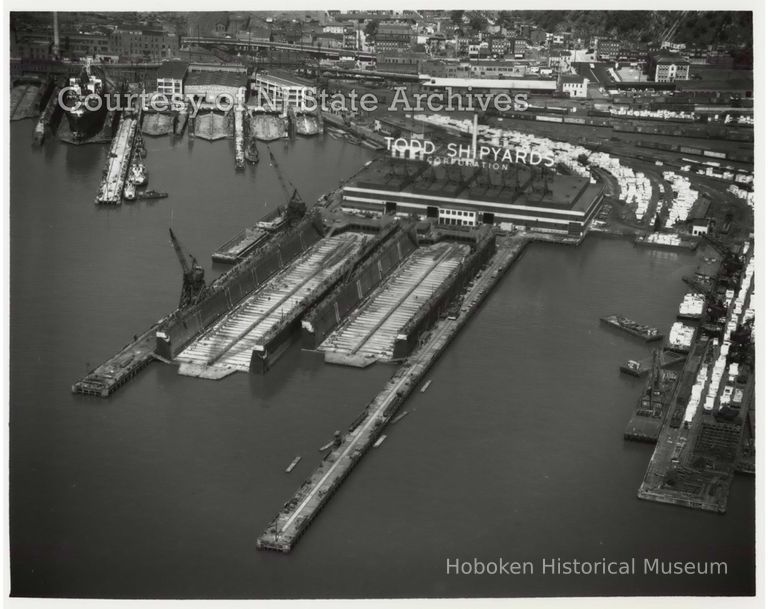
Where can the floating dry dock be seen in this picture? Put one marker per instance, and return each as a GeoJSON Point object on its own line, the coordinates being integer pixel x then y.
{"type": "Point", "coordinates": [296, 515]}
{"type": "Point", "coordinates": [238, 341]}
{"type": "Point", "coordinates": [371, 331]}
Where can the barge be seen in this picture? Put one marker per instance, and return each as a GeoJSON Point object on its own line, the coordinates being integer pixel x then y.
{"type": "Point", "coordinates": [647, 333]}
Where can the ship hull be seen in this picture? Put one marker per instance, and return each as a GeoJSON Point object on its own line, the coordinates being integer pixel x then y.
{"type": "Point", "coordinates": [86, 124]}
{"type": "Point", "coordinates": [268, 127]}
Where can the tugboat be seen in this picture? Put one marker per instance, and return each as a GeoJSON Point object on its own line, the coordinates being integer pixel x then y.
{"type": "Point", "coordinates": [129, 191]}
{"type": "Point", "coordinates": [138, 174]}
{"type": "Point", "coordinates": [251, 151]}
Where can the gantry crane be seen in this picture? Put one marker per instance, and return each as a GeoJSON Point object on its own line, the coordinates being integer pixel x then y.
{"type": "Point", "coordinates": [295, 208]}
{"type": "Point", "coordinates": [193, 286]}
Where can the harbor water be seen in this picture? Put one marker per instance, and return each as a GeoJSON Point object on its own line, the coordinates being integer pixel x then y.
{"type": "Point", "coordinates": [515, 451]}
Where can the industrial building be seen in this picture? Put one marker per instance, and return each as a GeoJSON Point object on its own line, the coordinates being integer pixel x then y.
{"type": "Point", "coordinates": [281, 90]}
{"type": "Point", "coordinates": [522, 196]}
{"type": "Point", "coordinates": [573, 85]}
{"type": "Point", "coordinates": [171, 76]}
{"type": "Point", "coordinates": [211, 85]}
{"type": "Point", "coordinates": [669, 68]}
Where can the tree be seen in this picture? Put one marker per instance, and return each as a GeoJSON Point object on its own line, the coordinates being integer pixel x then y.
{"type": "Point", "coordinates": [457, 17]}
{"type": "Point", "coordinates": [504, 19]}
{"type": "Point", "coordinates": [478, 23]}
{"type": "Point", "coordinates": [371, 28]}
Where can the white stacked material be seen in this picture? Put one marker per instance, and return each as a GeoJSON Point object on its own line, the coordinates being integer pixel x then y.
{"type": "Point", "coordinates": [693, 304]}
{"type": "Point", "coordinates": [680, 208]}
{"type": "Point", "coordinates": [680, 335]}
{"type": "Point", "coordinates": [625, 112]}
{"type": "Point", "coordinates": [664, 239]}
{"type": "Point", "coordinates": [743, 193]}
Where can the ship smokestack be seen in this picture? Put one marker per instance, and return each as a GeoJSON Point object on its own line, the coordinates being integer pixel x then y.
{"type": "Point", "coordinates": [55, 34]}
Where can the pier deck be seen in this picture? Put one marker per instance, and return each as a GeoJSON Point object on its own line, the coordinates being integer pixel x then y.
{"type": "Point", "coordinates": [111, 188]}
{"type": "Point", "coordinates": [105, 379]}
{"type": "Point", "coordinates": [371, 330]}
{"type": "Point", "coordinates": [296, 515]}
{"type": "Point", "coordinates": [228, 344]}
{"type": "Point", "coordinates": [694, 463]}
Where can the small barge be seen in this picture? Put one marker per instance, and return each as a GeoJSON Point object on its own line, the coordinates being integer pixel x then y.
{"type": "Point", "coordinates": [151, 194]}
{"type": "Point", "coordinates": [293, 464]}
{"type": "Point", "coordinates": [647, 333]}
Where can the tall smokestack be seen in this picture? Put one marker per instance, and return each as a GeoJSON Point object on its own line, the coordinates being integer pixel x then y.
{"type": "Point", "coordinates": [55, 34]}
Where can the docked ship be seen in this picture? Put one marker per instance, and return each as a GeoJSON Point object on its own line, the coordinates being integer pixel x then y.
{"type": "Point", "coordinates": [304, 122]}
{"type": "Point", "coordinates": [85, 122]}
{"type": "Point", "coordinates": [267, 125]}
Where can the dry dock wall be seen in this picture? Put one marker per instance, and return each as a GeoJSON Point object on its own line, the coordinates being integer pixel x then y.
{"type": "Point", "coordinates": [321, 320]}
{"type": "Point", "coordinates": [236, 284]}
{"type": "Point", "coordinates": [432, 309]}
{"type": "Point", "coordinates": [277, 340]}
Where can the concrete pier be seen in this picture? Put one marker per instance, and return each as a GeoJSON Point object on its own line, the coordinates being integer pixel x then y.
{"type": "Point", "coordinates": [239, 137]}
{"type": "Point", "coordinates": [297, 513]}
{"type": "Point", "coordinates": [106, 378]}
{"type": "Point", "coordinates": [702, 443]}
{"type": "Point", "coordinates": [118, 161]}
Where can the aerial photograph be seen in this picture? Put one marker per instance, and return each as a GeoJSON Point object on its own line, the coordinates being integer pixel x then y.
{"type": "Point", "coordinates": [383, 303]}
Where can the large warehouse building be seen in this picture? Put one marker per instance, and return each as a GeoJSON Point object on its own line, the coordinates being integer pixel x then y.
{"type": "Point", "coordinates": [466, 196]}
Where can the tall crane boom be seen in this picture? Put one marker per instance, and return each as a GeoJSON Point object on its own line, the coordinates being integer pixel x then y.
{"type": "Point", "coordinates": [289, 189]}
{"type": "Point", "coordinates": [295, 207]}
{"type": "Point", "coordinates": [193, 281]}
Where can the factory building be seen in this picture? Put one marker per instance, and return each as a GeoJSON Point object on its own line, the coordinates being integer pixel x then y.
{"type": "Point", "coordinates": [171, 76]}
{"type": "Point", "coordinates": [669, 68]}
{"type": "Point", "coordinates": [522, 197]}
{"type": "Point", "coordinates": [282, 90]}
{"type": "Point", "coordinates": [573, 85]}
{"type": "Point", "coordinates": [210, 85]}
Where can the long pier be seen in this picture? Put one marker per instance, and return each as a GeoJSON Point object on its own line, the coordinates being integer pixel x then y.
{"type": "Point", "coordinates": [118, 161]}
{"type": "Point", "coordinates": [106, 378]}
{"type": "Point", "coordinates": [702, 441]}
{"type": "Point", "coordinates": [285, 529]}
{"type": "Point", "coordinates": [239, 138]}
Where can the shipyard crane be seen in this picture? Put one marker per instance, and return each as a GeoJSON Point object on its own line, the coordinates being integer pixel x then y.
{"type": "Point", "coordinates": [193, 286]}
{"type": "Point", "coordinates": [296, 208]}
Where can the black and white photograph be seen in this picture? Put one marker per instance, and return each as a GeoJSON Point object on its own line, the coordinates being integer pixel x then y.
{"type": "Point", "coordinates": [384, 303]}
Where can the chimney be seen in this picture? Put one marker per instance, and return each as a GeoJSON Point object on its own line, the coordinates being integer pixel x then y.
{"type": "Point", "coordinates": [55, 34]}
